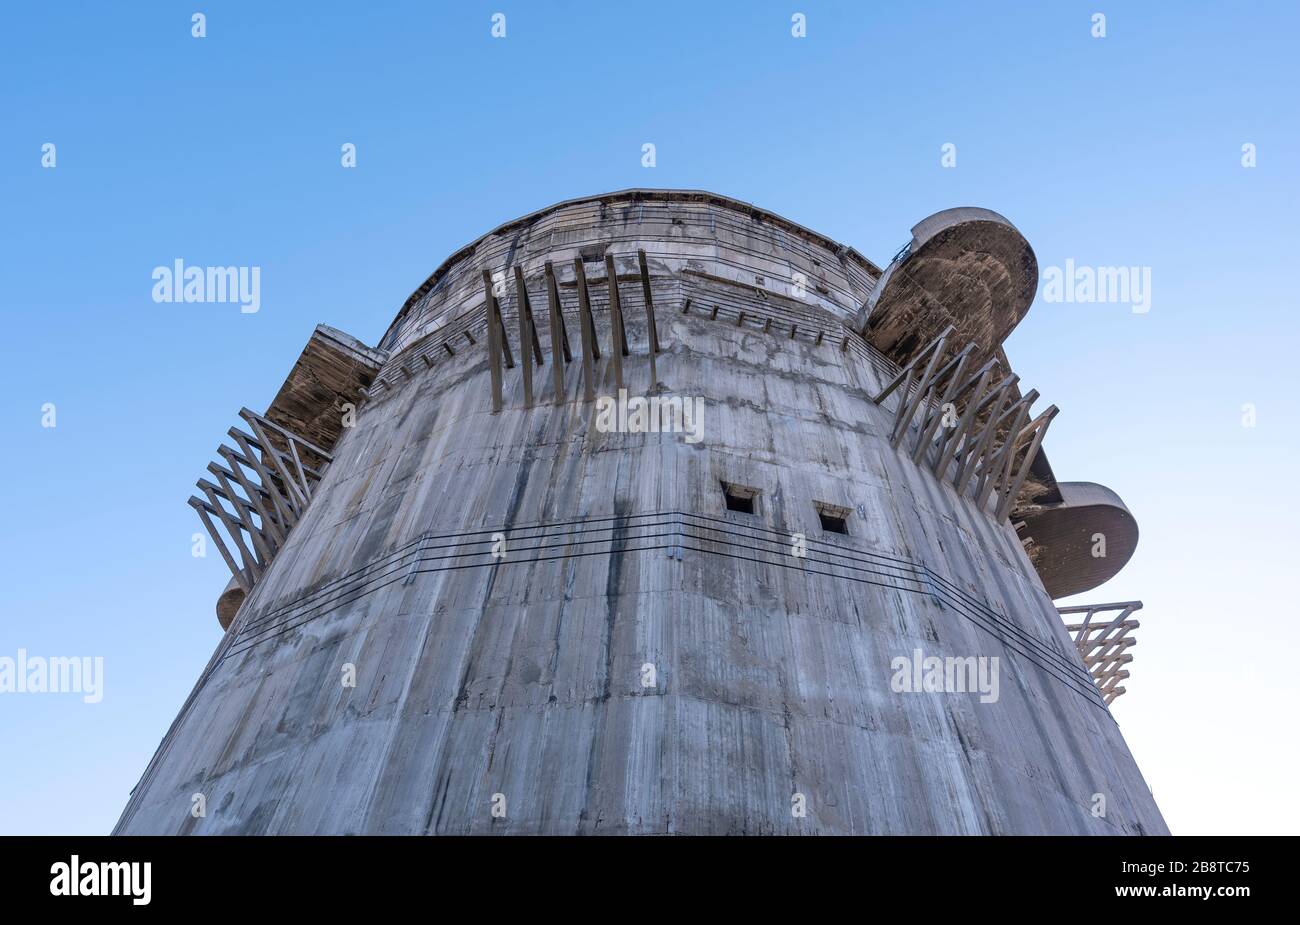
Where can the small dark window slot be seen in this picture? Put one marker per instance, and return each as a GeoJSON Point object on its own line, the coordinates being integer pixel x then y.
{"type": "Point", "coordinates": [737, 503]}
{"type": "Point", "coordinates": [834, 519]}
{"type": "Point", "coordinates": [833, 524]}
{"type": "Point", "coordinates": [739, 498]}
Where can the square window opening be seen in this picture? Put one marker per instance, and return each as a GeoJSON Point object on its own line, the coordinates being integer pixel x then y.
{"type": "Point", "coordinates": [740, 498]}
{"type": "Point", "coordinates": [834, 519]}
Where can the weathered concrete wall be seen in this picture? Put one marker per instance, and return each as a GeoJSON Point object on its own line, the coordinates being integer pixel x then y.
{"type": "Point", "coordinates": [522, 676]}
{"type": "Point", "coordinates": [683, 230]}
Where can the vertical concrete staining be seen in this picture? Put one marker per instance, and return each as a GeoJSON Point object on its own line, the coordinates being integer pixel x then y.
{"type": "Point", "coordinates": [522, 676]}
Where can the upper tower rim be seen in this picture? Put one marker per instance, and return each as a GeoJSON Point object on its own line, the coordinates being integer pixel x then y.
{"type": "Point", "coordinates": [644, 194]}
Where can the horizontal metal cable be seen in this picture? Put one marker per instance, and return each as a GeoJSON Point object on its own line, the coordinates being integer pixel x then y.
{"type": "Point", "coordinates": [665, 530]}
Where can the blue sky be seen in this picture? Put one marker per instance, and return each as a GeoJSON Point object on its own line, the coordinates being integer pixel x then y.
{"type": "Point", "coordinates": [225, 150]}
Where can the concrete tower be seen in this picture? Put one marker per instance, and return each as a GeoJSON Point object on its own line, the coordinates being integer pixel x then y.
{"type": "Point", "coordinates": [655, 512]}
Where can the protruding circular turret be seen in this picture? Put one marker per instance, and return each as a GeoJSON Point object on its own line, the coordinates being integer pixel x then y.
{"type": "Point", "coordinates": [1082, 541]}
{"type": "Point", "coordinates": [967, 267]}
{"type": "Point", "coordinates": [229, 602]}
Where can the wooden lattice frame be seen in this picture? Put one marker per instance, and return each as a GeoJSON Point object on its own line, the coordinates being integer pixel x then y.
{"type": "Point", "coordinates": [990, 446]}
{"type": "Point", "coordinates": [1103, 644]}
{"type": "Point", "coordinates": [264, 484]}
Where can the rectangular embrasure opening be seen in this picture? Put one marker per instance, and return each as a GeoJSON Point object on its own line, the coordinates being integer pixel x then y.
{"type": "Point", "coordinates": [740, 498]}
{"type": "Point", "coordinates": [834, 519]}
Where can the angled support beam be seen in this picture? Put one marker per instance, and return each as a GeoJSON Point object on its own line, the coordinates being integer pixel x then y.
{"type": "Point", "coordinates": [1000, 410]}
{"type": "Point", "coordinates": [617, 336]}
{"type": "Point", "coordinates": [963, 385]}
{"type": "Point", "coordinates": [286, 509]}
{"type": "Point", "coordinates": [954, 378]}
{"type": "Point", "coordinates": [953, 440]}
{"type": "Point", "coordinates": [998, 407]}
{"type": "Point", "coordinates": [233, 529]}
{"type": "Point", "coordinates": [1093, 608]}
{"type": "Point", "coordinates": [265, 509]}
{"type": "Point", "coordinates": [611, 279]}
{"type": "Point", "coordinates": [521, 292]}
{"type": "Point", "coordinates": [1103, 646]}
{"type": "Point", "coordinates": [297, 464]}
{"type": "Point", "coordinates": [240, 517]}
{"type": "Point", "coordinates": [527, 334]}
{"type": "Point", "coordinates": [1101, 643]}
{"type": "Point", "coordinates": [649, 316]}
{"type": "Point", "coordinates": [279, 464]}
{"type": "Point", "coordinates": [256, 494]}
{"type": "Point", "coordinates": [1000, 462]}
{"type": "Point", "coordinates": [945, 374]}
{"type": "Point", "coordinates": [244, 510]}
{"type": "Point", "coordinates": [908, 369]}
{"type": "Point", "coordinates": [286, 468]}
{"type": "Point", "coordinates": [553, 288]}
{"type": "Point", "coordinates": [501, 329]}
{"type": "Point", "coordinates": [999, 457]}
{"type": "Point", "coordinates": [587, 329]}
{"type": "Point", "coordinates": [1111, 649]}
{"type": "Point", "coordinates": [1009, 491]}
{"type": "Point", "coordinates": [271, 426]}
{"type": "Point", "coordinates": [494, 341]}
{"type": "Point", "coordinates": [559, 336]}
{"type": "Point", "coordinates": [505, 338]}
{"type": "Point", "coordinates": [241, 578]}
{"type": "Point", "coordinates": [584, 298]}
{"type": "Point", "coordinates": [280, 472]}
{"type": "Point", "coordinates": [1107, 682]}
{"type": "Point", "coordinates": [1081, 629]}
{"type": "Point", "coordinates": [907, 406]}
{"type": "Point", "coordinates": [1114, 663]}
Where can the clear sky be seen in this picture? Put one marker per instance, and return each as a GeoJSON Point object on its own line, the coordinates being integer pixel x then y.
{"type": "Point", "coordinates": [225, 150]}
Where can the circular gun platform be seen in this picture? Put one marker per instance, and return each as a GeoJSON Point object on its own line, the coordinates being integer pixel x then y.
{"type": "Point", "coordinates": [967, 267]}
